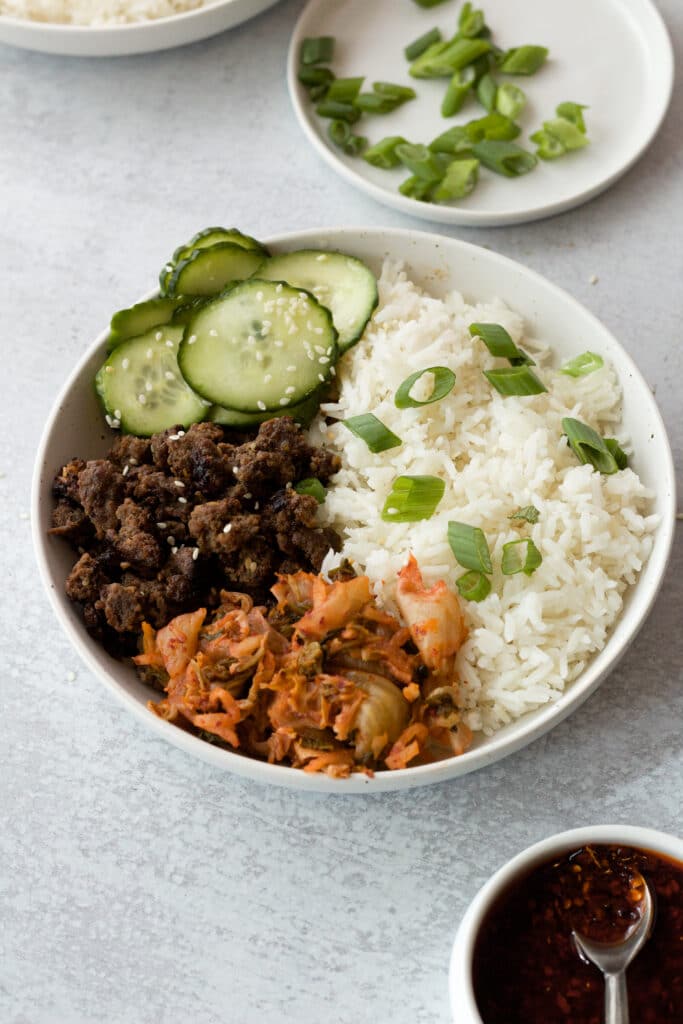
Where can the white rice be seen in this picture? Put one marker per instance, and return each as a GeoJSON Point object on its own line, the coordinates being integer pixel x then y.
{"type": "Point", "coordinates": [531, 635]}
{"type": "Point", "coordinates": [95, 12]}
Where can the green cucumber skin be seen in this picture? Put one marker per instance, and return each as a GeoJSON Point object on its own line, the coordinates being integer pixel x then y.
{"type": "Point", "coordinates": [142, 317]}
{"type": "Point", "coordinates": [203, 240]}
{"type": "Point", "coordinates": [244, 402]}
{"type": "Point", "coordinates": [302, 413]}
{"type": "Point", "coordinates": [180, 281]}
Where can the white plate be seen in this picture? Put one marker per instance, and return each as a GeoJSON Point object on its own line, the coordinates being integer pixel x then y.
{"type": "Point", "coordinates": [137, 37]}
{"type": "Point", "coordinates": [614, 55]}
{"type": "Point", "coordinates": [76, 427]}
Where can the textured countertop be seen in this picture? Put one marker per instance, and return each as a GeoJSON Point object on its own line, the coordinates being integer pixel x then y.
{"type": "Point", "coordinates": [138, 885]}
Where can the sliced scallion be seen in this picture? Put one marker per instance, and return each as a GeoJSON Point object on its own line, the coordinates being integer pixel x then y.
{"type": "Point", "coordinates": [383, 153]}
{"type": "Point", "coordinates": [473, 586]}
{"type": "Point", "coordinates": [413, 498]}
{"type": "Point", "coordinates": [493, 126]}
{"type": "Point", "coordinates": [548, 147]}
{"type": "Point", "coordinates": [520, 556]}
{"type": "Point", "coordinates": [582, 365]}
{"type": "Point", "coordinates": [523, 60]}
{"type": "Point", "coordinates": [417, 188]}
{"type": "Point", "coordinates": [470, 23]}
{"type": "Point", "coordinates": [318, 50]}
{"type": "Point", "coordinates": [421, 161]}
{"type": "Point", "coordinates": [341, 135]}
{"type": "Point", "coordinates": [505, 158]}
{"type": "Point", "coordinates": [470, 547]}
{"type": "Point", "coordinates": [345, 90]}
{"type": "Point", "coordinates": [460, 86]}
{"type": "Point", "coordinates": [312, 486]}
{"type": "Point", "coordinates": [443, 59]}
{"type": "Point", "coordinates": [455, 141]}
{"type": "Point", "coordinates": [428, 3]}
{"type": "Point", "coordinates": [615, 449]}
{"type": "Point", "coordinates": [459, 180]}
{"type": "Point", "coordinates": [422, 43]}
{"type": "Point", "coordinates": [589, 447]}
{"type": "Point", "coordinates": [315, 76]}
{"type": "Point", "coordinates": [338, 111]}
{"type": "Point", "coordinates": [515, 380]}
{"type": "Point", "coordinates": [510, 100]}
{"type": "Point", "coordinates": [486, 92]}
{"type": "Point", "coordinates": [444, 382]}
{"type": "Point", "coordinates": [368, 428]}
{"type": "Point", "coordinates": [500, 344]}
{"type": "Point", "coordinates": [394, 91]}
{"type": "Point", "coordinates": [566, 132]}
{"type": "Point", "coordinates": [529, 514]}
{"type": "Point", "coordinates": [573, 112]}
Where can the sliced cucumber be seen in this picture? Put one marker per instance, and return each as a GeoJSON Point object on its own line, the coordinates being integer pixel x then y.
{"type": "Point", "coordinates": [141, 387]}
{"type": "Point", "coordinates": [188, 307]}
{"type": "Point", "coordinates": [302, 412]}
{"type": "Point", "coordinates": [208, 271]}
{"type": "Point", "coordinates": [261, 346]}
{"type": "Point", "coordinates": [129, 323]}
{"type": "Point", "coordinates": [342, 283]}
{"type": "Point", "coordinates": [203, 240]}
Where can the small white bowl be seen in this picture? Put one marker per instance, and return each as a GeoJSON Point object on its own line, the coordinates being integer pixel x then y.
{"type": "Point", "coordinates": [463, 1002]}
{"type": "Point", "coordinates": [135, 37]}
{"type": "Point", "coordinates": [76, 427]}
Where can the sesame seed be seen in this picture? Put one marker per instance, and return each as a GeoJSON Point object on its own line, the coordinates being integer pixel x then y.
{"type": "Point", "coordinates": [159, 335]}
{"type": "Point", "coordinates": [108, 419]}
{"type": "Point", "coordinates": [174, 551]}
{"type": "Point", "coordinates": [278, 288]}
{"type": "Point", "coordinates": [319, 330]}
{"type": "Point", "coordinates": [227, 528]}
{"type": "Point", "coordinates": [285, 401]}
{"type": "Point", "coordinates": [333, 371]}
{"type": "Point", "coordinates": [259, 357]}
{"type": "Point", "coordinates": [259, 296]}
{"type": "Point", "coordinates": [290, 390]}
{"type": "Point", "coordinates": [291, 369]}
{"type": "Point", "coordinates": [141, 399]}
{"type": "Point", "coordinates": [248, 495]}
{"type": "Point", "coordinates": [392, 511]}
{"type": "Point", "coordinates": [116, 423]}
{"type": "Point", "coordinates": [321, 257]}
{"type": "Point", "coordinates": [148, 385]}
{"type": "Point", "coordinates": [195, 554]}
{"type": "Point", "coordinates": [183, 501]}
{"type": "Point", "coordinates": [181, 433]}
{"type": "Point", "coordinates": [256, 506]}
{"type": "Point", "coordinates": [169, 375]}
{"type": "Point", "coordinates": [179, 483]}
{"type": "Point", "coordinates": [251, 340]}
{"type": "Point", "coordinates": [109, 369]}
{"type": "Point", "coordinates": [328, 351]}
{"type": "Point", "coordinates": [593, 279]}
{"type": "Point", "coordinates": [191, 340]}
{"type": "Point", "coordinates": [267, 379]}
{"type": "Point", "coordinates": [170, 540]}
{"type": "Point", "coordinates": [70, 676]}
{"type": "Point", "coordinates": [321, 378]}
{"type": "Point", "coordinates": [169, 343]}
{"type": "Point", "coordinates": [310, 354]}
{"type": "Point", "coordinates": [172, 437]}
{"type": "Point", "coordinates": [149, 353]}
{"type": "Point", "coordinates": [235, 470]}
{"type": "Point", "coordinates": [213, 332]}
{"type": "Point", "coordinates": [125, 363]}
{"type": "Point", "coordinates": [162, 526]}
{"type": "Point", "coordinates": [320, 350]}
{"type": "Point", "coordinates": [124, 471]}
{"type": "Point", "coordinates": [262, 407]}
{"type": "Point", "coordinates": [323, 359]}
{"type": "Point", "coordinates": [304, 296]}
{"type": "Point", "coordinates": [117, 414]}
{"type": "Point", "coordinates": [278, 343]}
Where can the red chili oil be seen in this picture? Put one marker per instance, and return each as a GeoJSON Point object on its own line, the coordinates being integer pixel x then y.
{"type": "Point", "coordinates": [526, 969]}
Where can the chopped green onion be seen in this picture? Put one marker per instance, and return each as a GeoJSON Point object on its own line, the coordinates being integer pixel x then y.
{"type": "Point", "coordinates": [315, 76]}
{"type": "Point", "coordinates": [355, 145]}
{"type": "Point", "coordinates": [444, 59]}
{"type": "Point", "coordinates": [548, 147]}
{"type": "Point", "coordinates": [387, 97]}
{"type": "Point", "coordinates": [317, 50]}
{"type": "Point", "coordinates": [394, 91]}
{"type": "Point", "coordinates": [470, 22]}
{"type": "Point", "coordinates": [470, 547]}
{"type": "Point", "coordinates": [473, 586]}
{"type": "Point", "coordinates": [422, 43]}
{"type": "Point", "coordinates": [417, 188]}
{"type": "Point", "coordinates": [589, 447]}
{"type": "Point", "coordinates": [444, 382]}
{"type": "Point", "coordinates": [520, 556]}
{"type": "Point", "coordinates": [345, 90]}
{"type": "Point", "coordinates": [421, 161]}
{"type": "Point", "coordinates": [573, 112]}
{"type": "Point", "coordinates": [566, 132]}
{"type": "Point", "coordinates": [493, 126]}
{"type": "Point", "coordinates": [505, 158]}
{"type": "Point", "coordinates": [413, 498]}
{"type": "Point", "coordinates": [311, 485]}
{"type": "Point", "coordinates": [515, 380]}
{"type": "Point", "coordinates": [460, 85]}
{"type": "Point", "coordinates": [454, 141]}
{"type": "Point", "coordinates": [486, 92]}
{"type": "Point", "coordinates": [428, 3]}
{"type": "Point", "coordinates": [529, 514]}
{"type": "Point", "coordinates": [500, 344]}
{"type": "Point", "coordinates": [383, 153]}
{"type": "Point", "coordinates": [341, 135]}
{"type": "Point", "coordinates": [368, 428]}
{"type": "Point", "coordinates": [510, 100]}
{"type": "Point", "coordinates": [459, 180]}
{"type": "Point", "coordinates": [338, 111]}
{"type": "Point", "coordinates": [620, 456]}
{"type": "Point", "coordinates": [582, 365]}
{"type": "Point", "coordinates": [523, 60]}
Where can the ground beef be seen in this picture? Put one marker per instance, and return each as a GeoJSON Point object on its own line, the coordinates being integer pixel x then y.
{"type": "Point", "coordinates": [170, 521]}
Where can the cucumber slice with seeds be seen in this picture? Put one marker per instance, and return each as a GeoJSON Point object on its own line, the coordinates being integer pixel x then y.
{"type": "Point", "coordinates": [261, 346]}
{"type": "Point", "coordinates": [208, 271]}
{"type": "Point", "coordinates": [302, 412]}
{"type": "Point", "coordinates": [141, 388]}
{"type": "Point", "coordinates": [342, 283]}
{"type": "Point", "coordinates": [203, 240]}
{"type": "Point", "coordinates": [129, 323]}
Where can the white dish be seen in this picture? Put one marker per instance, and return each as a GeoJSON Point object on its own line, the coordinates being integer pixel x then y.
{"type": "Point", "coordinates": [625, 75]}
{"type": "Point", "coordinates": [136, 37]}
{"type": "Point", "coordinates": [463, 1003]}
{"type": "Point", "coordinates": [76, 426]}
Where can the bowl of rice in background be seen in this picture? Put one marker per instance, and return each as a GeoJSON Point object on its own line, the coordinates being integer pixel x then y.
{"type": "Point", "coordinates": [538, 646]}
{"type": "Point", "coordinates": [117, 28]}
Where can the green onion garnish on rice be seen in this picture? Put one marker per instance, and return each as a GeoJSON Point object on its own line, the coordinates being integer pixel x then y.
{"type": "Point", "coordinates": [499, 343]}
{"type": "Point", "coordinates": [520, 556]}
{"type": "Point", "coordinates": [368, 428]}
{"type": "Point", "coordinates": [470, 547]}
{"type": "Point", "coordinates": [515, 380]}
{"type": "Point", "coordinates": [529, 514]}
{"type": "Point", "coordinates": [318, 50]}
{"type": "Point", "coordinates": [418, 46]}
{"type": "Point", "coordinates": [311, 485]}
{"type": "Point", "coordinates": [473, 586]}
{"type": "Point", "coordinates": [413, 498]}
{"type": "Point", "coordinates": [582, 365]}
{"type": "Point", "coordinates": [444, 381]}
{"type": "Point", "coordinates": [604, 455]}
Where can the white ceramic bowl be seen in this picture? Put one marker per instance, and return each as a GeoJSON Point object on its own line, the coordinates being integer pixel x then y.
{"type": "Point", "coordinates": [76, 427]}
{"type": "Point", "coordinates": [136, 37]}
{"type": "Point", "coordinates": [463, 1003]}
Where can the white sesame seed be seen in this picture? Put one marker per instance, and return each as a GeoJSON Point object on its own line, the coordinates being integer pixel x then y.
{"type": "Point", "coordinates": [320, 350]}
{"type": "Point", "coordinates": [124, 471]}
{"type": "Point", "coordinates": [116, 423]}
{"type": "Point", "coordinates": [392, 511]}
{"type": "Point", "coordinates": [125, 363]}
{"type": "Point", "coordinates": [321, 257]}
{"type": "Point", "coordinates": [108, 419]}
{"type": "Point", "coordinates": [170, 540]}
{"type": "Point", "coordinates": [278, 343]}
{"type": "Point", "coordinates": [248, 495]}
{"type": "Point", "coordinates": [162, 526]}
{"type": "Point", "coordinates": [191, 340]}
{"type": "Point", "coordinates": [172, 437]}
{"type": "Point", "coordinates": [183, 501]}
{"type": "Point", "coordinates": [333, 371]}
{"type": "Point", "coordinates": [256, 506]}
{"type": "Point", "coordinates": [321, 378]}
{"type": "Point", "coordinates": [195, 554]}
{"type": "Point", "coordinates": [278, 288]}
{"type": "Point", "coordinates": [109, 369]}
{"type": "Point", "coordinates": [227, 528]}
{"type": "Point", "coordinates": [169, 375]}
{"type": "Point", "coordinates": [267, 379]}
{"type": "Point", "coordinates": [593, 279]}
{"type": "Point", "coordinates": [149, 353]}
{"type": "Point", "coordinates": [159, 335]}
{"type": "Point", "coordinates": [235, 470]}
{"type": "Point", "coordinates": [259, 357]}
{"type": "Point", "coordinates": [310, 355]}
{"type": "Point", "coordinates": [148, 385]}
{"type": "Point", "coordinates": [213, 332]}
{"type": "Point", "coordinates": [70, 676]}
{"type": "Point", "coordinates": [291, 369]}
{"type": "Point", "coordinates": [259, 296]}
{"type": "Point", "coordinates": [251, 340]}
{"type": "Point", "coordinates": [181, 433]}
{"type": "Point", "coordinates": [304, 296]}
{"type": "Point", "coordinates": [179, 483]}
{"type": "Point", "coordinates": [285, 401]}
{"type": "Point", "coordinates": [169, 343]}
{"type": "Point", "coordinates": [323, 359]}
{"type": "Point", "coordinates": [174, 551]}
{"type": "Point", "coordinates": [117, 414]}
{"type": "Point", "coordinates": [328, 351]}
{"type": "Point", "coordinates": [141, 399]}
{"type": "Point", "coordinates": [133, 462]}
{"type": "Point", "coordinates": [290, 390]}
{"type": "Point", "coordinates": [262, 407]}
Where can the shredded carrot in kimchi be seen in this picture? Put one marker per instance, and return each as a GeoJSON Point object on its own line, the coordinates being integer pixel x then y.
{"type": "Point", "coordinates": [324, 680]}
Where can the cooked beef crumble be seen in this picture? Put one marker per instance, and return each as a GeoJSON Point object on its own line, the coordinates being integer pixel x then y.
{"type": "Point", "coordinates": [163, 524]}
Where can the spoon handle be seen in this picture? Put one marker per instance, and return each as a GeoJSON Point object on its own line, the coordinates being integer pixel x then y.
{"type": "Point", "coordinates": [616, 998]}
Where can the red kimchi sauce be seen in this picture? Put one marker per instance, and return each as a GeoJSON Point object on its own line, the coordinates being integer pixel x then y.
{"type": "Point", "coordinates": [526, 969]}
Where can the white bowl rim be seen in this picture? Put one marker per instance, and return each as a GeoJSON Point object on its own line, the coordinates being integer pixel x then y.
{"type": "Point", "coordinates": [460, 974]}
{"type": "Point", "coordinates": [497, 747]}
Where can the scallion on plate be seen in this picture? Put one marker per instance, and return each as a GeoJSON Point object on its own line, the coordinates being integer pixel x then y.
{"type": "Point", "coordinates": [319, 50]}
{"type": "Point", "coordinates": [523, 60]}
{"type": "Point", "coordinates": [418, 46]}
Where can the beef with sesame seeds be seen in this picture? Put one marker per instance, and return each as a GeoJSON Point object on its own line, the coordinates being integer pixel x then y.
{"type": "Point", "coordinates": [164, 524]}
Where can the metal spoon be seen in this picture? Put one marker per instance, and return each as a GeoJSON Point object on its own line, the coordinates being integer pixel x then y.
{"type": "Point", "coordinates": [612, 958]}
